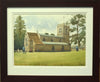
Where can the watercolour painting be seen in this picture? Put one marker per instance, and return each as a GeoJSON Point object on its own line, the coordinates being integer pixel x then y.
{"type": "Point", "coordinates": [51, 37]}
{"type": "Point", "coordinates": [50, 40]}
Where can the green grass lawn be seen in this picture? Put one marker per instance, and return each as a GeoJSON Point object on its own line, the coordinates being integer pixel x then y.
{"type": "Point", "coordinates": [71, 58]}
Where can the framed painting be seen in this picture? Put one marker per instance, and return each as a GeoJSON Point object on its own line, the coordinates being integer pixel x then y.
{"type": "Point", "coordinates": [49, 41]}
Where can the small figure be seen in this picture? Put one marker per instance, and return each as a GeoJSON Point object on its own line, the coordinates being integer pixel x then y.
{"type": "Point", "coordinates": [23, 49]}
{"type": "Point", "coordinates": [76, 48]}
{"type": "Point", "coordinates": [18, 50]}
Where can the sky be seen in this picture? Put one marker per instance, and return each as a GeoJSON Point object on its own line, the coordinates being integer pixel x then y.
{"type": "Point", "coordinates": [44, 23]}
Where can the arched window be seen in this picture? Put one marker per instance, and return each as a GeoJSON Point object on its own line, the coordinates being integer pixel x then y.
{"type": "Point", "coordinates": [60, 40]}
{"type": "Point", "coordinates": [31, 43]}
{"type": "Point", "coordinates": [51, 40]}
{"type": "Point", "coordinates": [43, 39]}
{"type": "Point", "coordinates": [62, 48]}
{"type": "Point", "coordinates": [53, 48]}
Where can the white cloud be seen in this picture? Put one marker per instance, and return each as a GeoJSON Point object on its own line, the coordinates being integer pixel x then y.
{"type": "Point", "coordinates": [32, 29]}
{"type": "Point", "coordinates": [44, 31]}
{"type": "Point", "coordinates": [44, 23]}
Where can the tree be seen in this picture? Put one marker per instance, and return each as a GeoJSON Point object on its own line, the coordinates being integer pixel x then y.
{"type": "Point", "coordinates": [19, 33]}
{"type": "Point", "coordinates": [78, 22]}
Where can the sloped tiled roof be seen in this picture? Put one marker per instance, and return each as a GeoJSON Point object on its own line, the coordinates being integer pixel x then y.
{"type": "Point", "coordinates": [35, 37]}
{"type": "Point", "coordinates": [57, 43]}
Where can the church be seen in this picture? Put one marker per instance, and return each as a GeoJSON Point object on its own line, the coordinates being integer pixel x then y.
{"type": "Point", "coordinates": [36, 42]}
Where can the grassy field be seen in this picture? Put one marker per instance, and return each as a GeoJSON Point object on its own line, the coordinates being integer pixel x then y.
{"type": "Point", "coordinates": [71, 58]}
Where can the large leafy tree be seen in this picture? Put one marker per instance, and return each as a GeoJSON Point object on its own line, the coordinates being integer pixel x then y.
{"type": "Point", "coordinates": [78, 23]}
{"type": "Point", "coordinates": [19, 33]}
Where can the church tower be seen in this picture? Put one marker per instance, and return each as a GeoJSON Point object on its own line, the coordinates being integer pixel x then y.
{"type": "Point", "coordinates": [63, 31]}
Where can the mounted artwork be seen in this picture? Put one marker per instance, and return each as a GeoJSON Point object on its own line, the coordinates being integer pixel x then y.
{"type": "Point", "coordinates": [50, 39]}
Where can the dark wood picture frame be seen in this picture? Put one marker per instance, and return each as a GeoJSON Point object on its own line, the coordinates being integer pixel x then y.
{"type": "Point", "coordinates": [52, 3]}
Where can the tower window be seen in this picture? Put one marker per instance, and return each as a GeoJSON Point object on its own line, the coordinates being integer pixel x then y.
{"type": "Point", "coordinates": [66, 31]}
{"type": "Point", "coordinates": [43, 39]}
{"type": "Point", "coordinates": [60, 30]}
{"type": "Point", "coordinates": [51, 40]}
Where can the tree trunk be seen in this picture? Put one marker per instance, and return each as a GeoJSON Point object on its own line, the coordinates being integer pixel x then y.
{"type": "Point", "coordinates": [78, 37]}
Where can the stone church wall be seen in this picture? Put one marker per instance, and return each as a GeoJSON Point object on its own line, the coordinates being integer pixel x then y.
{"type": "Point", "coordinates": [26, 43]}
{"type": "Point", "coordinates": [50, 48]}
